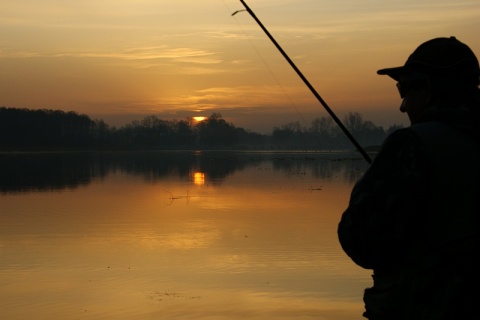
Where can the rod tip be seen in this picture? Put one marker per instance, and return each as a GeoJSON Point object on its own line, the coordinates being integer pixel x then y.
{"type": "Point", "coordinates": [237, 12]}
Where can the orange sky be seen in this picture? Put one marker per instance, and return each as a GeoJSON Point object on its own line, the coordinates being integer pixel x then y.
{"type": "Point", "coordinates": [121, 60]}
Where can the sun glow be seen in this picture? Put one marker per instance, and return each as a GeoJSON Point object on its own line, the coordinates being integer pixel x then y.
{"type": "Point", "coordinates": [199, 119]}
{"type": "Point", "coordinates": [199, 178]}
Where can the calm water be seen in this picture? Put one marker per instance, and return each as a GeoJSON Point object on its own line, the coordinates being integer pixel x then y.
{"type": "Point", "coordinates": [186, 235]}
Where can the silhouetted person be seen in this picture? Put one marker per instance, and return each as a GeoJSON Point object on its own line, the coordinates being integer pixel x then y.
{"type": "Point", "coordinates": [413, 216]}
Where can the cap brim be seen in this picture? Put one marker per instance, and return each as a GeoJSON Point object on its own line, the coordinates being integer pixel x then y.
{"type": "Point", "coordinates": [394, 73]}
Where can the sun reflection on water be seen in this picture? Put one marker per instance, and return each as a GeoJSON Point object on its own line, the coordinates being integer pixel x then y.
{"type": "Point", "coordinates": [199, 178]}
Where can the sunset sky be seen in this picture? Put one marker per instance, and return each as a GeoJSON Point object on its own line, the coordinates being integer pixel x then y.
{"type": "Point", "coordinates": [122, 60]}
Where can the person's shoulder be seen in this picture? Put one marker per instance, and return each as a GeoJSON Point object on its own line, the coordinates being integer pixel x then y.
{"type": "Point", "coordinates": [443, 134]}
{"type": "Point", "coordinates": [430, 128]}
{"type": "Point", "coordinates": [416, 133]}
{"type": "Point", "coordinates": [403, 136]}
{"type": "Point", "coordinates": [402, 145]}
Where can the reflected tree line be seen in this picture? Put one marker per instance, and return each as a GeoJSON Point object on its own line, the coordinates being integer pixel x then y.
{"type": "Point", "coordinates": [56, 171]}
{"type": "Point", "coordinates": [26, 129]}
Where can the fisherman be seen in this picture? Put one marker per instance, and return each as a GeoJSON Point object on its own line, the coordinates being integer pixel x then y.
{"type": "Point", "coordinates": [413, 216]}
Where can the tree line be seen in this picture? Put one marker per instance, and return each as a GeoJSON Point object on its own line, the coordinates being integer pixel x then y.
{"type": "Point", "coordinates": [43, 129]}
{"type": "Point", "coordinates": [324, 133]}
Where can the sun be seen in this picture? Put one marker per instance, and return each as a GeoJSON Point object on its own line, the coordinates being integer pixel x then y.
{"type": "Point", "coordinates": [199, 119]}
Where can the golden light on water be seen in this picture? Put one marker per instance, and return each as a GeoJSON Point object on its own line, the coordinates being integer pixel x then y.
{"type": "Point", "coordinates": [199, 178]}
{"type": "Point", "coordinates": [167, 233]}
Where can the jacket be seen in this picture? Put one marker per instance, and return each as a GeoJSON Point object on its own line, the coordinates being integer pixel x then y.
{"type": "Point", "coordinates": [413, 220]}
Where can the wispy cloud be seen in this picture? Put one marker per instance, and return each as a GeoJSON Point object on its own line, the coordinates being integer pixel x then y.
{"type": "Point", "coordinates": [235, 97]}
{"type": "Point", "coordinates": [190, 55]}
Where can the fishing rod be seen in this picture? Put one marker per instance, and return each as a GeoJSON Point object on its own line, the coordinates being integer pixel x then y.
{"type": "Point", "coordinates": [312, 89]}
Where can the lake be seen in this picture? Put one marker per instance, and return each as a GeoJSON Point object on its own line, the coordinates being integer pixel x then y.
{"type": "Point", "coordinates": [177, 235]}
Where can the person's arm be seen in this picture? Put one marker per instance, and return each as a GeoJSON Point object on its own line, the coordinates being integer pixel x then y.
{"type": "Point", "coordinates": [384, 216]}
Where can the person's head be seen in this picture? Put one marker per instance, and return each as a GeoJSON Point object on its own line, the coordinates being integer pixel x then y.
{"type": "Point", "coordinates": [440, 73]}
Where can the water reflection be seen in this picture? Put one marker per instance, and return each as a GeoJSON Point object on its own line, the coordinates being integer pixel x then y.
{"type": "Point", "coordinates": [23, 172]}
{"type": "Point", "coordinates": [185, 235]}
{"type": "Point", "coordinates": [199, 178]}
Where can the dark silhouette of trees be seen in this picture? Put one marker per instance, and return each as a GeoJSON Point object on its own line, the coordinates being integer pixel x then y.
{"type": "Point", "coordinates": [184, 135]}
{"type": "Point", "coordinates": [324, 133]}
{"type": "Point", "coordinates": [365, 132]}
{"type": "Point", "coordinates": [24, 129]}
{"type": "Point", "coordinates": [289, 135]}
{"type": "Point", "coordinates": [215, 131]}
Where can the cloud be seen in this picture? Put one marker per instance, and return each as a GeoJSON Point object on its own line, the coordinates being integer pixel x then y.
{"type": "Point", "coordinates": [236, 97]}
{"type": "Point", "coordinates": [226, 35]}
{"type": "Point", "coordinates": [183, 54]}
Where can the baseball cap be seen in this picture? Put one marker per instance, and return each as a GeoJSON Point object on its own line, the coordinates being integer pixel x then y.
{"type": "Point", "coordinates": [444, 57]}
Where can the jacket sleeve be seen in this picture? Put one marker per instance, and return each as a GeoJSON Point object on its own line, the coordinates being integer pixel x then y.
{"type": "Point", "coordinates": [384, 216]}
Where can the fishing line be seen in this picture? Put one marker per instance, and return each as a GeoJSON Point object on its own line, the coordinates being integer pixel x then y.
{"type": "Point", "coordinates": [292, 103]}
{"type": "Point", "coordinates": [307, 83]}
